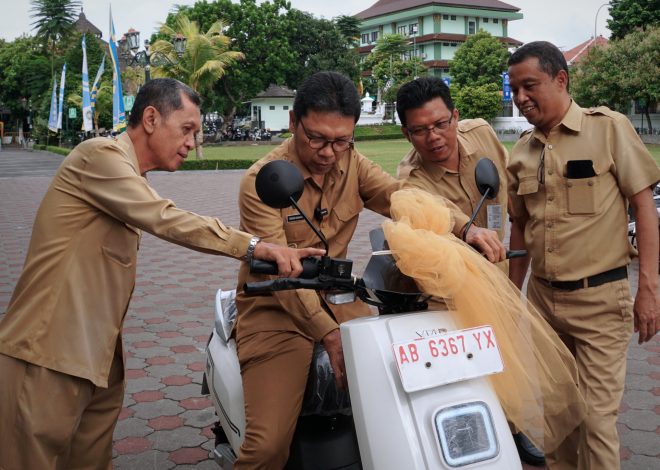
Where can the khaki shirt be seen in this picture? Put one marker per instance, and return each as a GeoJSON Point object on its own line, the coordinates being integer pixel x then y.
{"type": "Point", "coordinates": [67, 310]}
{"type": "Point", "coordinates": [577, 227]}
{"type": "Point", "coordinates": [355, 182]}
{"type": "Point", "coordinates": [476, 140]}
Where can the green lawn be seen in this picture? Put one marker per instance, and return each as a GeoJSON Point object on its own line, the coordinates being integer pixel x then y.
{"type": "Point", "coordinates": [387, 153]}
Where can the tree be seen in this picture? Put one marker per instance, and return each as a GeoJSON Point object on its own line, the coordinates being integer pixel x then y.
{"type": "Point", "coordinates": [53, 20]}
{"type": "Point", "coordinates": [25, 81]}
{"type": "Point", "coordinates": [349, 26]}
{"type": "Point", "coordinates": [478, 101]}
{"type": "Point", "coordinates": [281, 45]}
{"type": "Point", "coordinates": [629, 15]}
{"type": "Point", "coordinates": [609, 76]}
{"type": "Point", "coordinates": [480, 60]}
{"type": "Point", "coordinates": [205, 60]}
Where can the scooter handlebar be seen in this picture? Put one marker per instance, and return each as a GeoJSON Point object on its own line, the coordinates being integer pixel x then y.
{"type": "Point", "coordinates": [310, 267]}
{"type": "Point", "coordinates": [264, 287]}
{"type": "Point", "coordinates": [515, 254]}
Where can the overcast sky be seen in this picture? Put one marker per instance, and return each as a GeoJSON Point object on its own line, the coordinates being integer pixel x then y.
{"type": "Point", "coordinates": [565, 23]}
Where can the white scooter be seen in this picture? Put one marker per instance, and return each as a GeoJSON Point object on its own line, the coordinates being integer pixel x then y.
{"type": "Point", "coordinates": [419, 390]}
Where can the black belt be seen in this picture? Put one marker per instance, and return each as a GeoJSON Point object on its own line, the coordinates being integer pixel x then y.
{"type": "Point", "coordinates": [612, 275]}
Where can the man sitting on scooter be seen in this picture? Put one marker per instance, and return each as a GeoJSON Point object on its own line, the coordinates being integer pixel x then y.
{"type": "Point", "coordinates": [275, 334]}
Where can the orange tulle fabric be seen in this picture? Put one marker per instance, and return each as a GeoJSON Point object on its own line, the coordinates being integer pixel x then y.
{"type": "Point", "coordinates": [538, 388]}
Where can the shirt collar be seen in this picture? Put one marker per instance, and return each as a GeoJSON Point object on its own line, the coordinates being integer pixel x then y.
{"type": "Point", "coordinates": [125, 142]}
{"type": "Point", "coordinates": [571, 121]}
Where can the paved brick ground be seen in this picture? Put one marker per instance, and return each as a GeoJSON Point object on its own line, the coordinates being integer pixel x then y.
{"type": "Point", "coordinates": [166, 422]}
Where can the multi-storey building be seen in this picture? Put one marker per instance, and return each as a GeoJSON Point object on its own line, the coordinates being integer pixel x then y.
{"type": "Point", "coordinates": [436, 28]}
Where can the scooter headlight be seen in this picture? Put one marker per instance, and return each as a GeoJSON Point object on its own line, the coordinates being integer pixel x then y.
{"type": "Point", "coordinates": [466, 434]}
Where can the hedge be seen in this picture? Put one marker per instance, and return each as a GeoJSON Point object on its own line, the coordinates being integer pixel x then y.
{"type": "Point", "coordinates": [216, 164]}
{"type": "Point", "coordinates": [50, 148]}
{"type": "Point", "coordinates": [379, 137]}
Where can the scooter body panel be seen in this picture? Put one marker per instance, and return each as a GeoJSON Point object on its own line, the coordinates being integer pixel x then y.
{"type": "Point", "coordinates": [397, 429]}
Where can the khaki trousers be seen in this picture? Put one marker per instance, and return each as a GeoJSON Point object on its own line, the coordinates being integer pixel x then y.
{"type": "Point", "coordinates": [274, 367]}
{"type": "Point", "coordinates": [596, 324]}
{"type": "Point", "coordinates": [50, 420]}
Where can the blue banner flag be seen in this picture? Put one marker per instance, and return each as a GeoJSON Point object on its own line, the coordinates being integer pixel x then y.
{"type": "Point", "coordinates": [97, 82]}
{"type": "Point", "coordinates": [118, 114]}
{"type": "Point", "coordinates": [86, 100]}
{"type": "Point", "coordinates": [61, 101]}
{"type": "Point", "coordinates": [52, 117]}
{"type": "Point", "coordinates": [506, 87]}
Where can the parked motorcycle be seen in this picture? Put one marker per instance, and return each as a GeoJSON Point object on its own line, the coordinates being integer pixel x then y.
{"type": "Point", "coordinates": [420, 397]}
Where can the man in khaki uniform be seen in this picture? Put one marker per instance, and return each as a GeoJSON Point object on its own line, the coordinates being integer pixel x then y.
{"type": "Point", "coordinates": [446, 151]}
{"type": "Point", "coordinates": [443, 161]}
{"type": "Point", "coordinates": [570, 180]}
{"type": "Point", "coordinates": [275, 334]}
{"type": "Point", "coordinates": [61, 358]}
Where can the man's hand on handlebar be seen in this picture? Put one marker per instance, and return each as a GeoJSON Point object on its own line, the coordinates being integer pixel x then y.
{"type": "Point", "coordinates": [287, 259]}
{"type": "Point", "coordinates": [332, 344]}
{"type": "Point", "coordinates": [487, 242]}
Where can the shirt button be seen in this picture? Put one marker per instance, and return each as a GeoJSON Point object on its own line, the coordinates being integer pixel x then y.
{"type": "Point", "coordinates": [550, 147]}
{"type": "Point", "coordinates": [550, 250]}
{"type": "Point", "coordinates": [234, 251]}
{"type": "Point", "coordinates": [569, 184]}
{"type": "Point", "coordinates": [590, 183]}
{"type": "Point", "coordinates": [551, 198]}
{"type": "Point", "coordinates": [550, 224]}
{"type": "Point", "coordinates": [549, 172]}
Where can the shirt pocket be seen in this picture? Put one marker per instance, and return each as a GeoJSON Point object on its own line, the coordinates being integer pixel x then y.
{"type": "Point", "coordinates": [296, 230]}
{"type": "Point", "coordinates": [581, 194]}
{"type": "Point", "coordinates": [120, 245]}
{"type": "Point", "coordinates": [528, 185]}
{"type": "Point", "coordinates": [348, 210]}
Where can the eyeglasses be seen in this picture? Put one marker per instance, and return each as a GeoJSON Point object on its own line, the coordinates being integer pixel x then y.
{"type": "Point", "coordinates": [437, 128]}
{"type": "Point", "coordinates": [317, 143]}
{"type": "Point", "coordinates": [540, 173]}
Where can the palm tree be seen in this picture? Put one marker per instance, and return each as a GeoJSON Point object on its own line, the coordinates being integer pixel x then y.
{"type": "Point", "coordinates": [53, 20]}
{"type": "Point", "coordinates": [205, 60]}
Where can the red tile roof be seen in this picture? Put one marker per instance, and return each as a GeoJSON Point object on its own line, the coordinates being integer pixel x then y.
{"type": "Point", "coordinates": [576, 54]}
{"type": "Point", "coordinates": [384, 7]}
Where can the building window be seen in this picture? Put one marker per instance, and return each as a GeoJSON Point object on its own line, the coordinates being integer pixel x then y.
{"type": "Point", "coordinates": [285, 107]}
{"type": "Point", "coordinates": [454, 44]}
{"type": "Point", "coordinates": [271, 107]}
{"type": "Point", "coordinates": [365, 38]}
{"type": "Point", "coordinates": [446, 44]}
{"type": "Point", "coordinates": [402, 30]}
{"type": "Point", "coordinates": [495, 20]}
{"type": "Point", "coordinates": [472, 27]}
{"type": "Point", "coordinates": [413, 29]}
{"type": "Point", "coordinates": [374, 36]}
{"type": "Point", "coordinates": [485, 20]}
{"type": "Point", "coordinates": [453, 17]}
{"type": "Point", "coordinates": [445, 17]}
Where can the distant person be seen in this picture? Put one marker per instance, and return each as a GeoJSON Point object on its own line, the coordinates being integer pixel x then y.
{"type": "Point", "coordinates": [571, 178]}
{"type": "Point", "coordinates": [61, 354]}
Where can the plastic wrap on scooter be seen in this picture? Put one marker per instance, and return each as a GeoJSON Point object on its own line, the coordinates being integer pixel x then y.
{"type": "Point", "coordinates": [225, 315]}
{"type": "Point", "coordinates": [322, 396]}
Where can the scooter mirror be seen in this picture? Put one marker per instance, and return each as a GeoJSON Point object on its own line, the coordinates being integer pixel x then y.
{"type": "Point", "coordinates": [279, 184]}
{"type": "Point", "coordinates": [487, 178]}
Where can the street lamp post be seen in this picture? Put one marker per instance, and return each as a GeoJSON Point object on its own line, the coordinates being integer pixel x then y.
{"type": "Point", "coordinates": [596, 18]}
{"type": "Point", "coordinates": [129, 47]}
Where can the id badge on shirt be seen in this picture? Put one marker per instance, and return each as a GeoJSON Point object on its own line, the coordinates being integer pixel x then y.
{"type": "Point", "coordinates": [494, 216]}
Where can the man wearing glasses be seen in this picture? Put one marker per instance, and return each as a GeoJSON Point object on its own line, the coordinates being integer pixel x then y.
{"type": "Point", "coordinates": [443, 159]}
{"type": "Point", "coordinates": [446, 151]}
{"type": "Point", "coordinates": [275, 334]}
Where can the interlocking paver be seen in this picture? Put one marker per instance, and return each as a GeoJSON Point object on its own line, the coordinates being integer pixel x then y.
{"type": "Point", "coordinates": [173, 306]}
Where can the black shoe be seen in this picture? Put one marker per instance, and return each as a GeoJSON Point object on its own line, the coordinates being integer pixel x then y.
{"type": "Point", "coordinates": [527, 451]}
